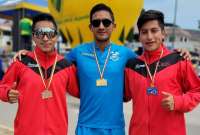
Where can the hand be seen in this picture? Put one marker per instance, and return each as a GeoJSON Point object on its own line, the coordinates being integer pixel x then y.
{"type": "Point", "coordinates": [168, 101]}
{"type": "Point", "coordinates": [185, 53]}
{"type": "Point", "coordinates": [19, 54]}
{"type": "Point", "coordinates": [13, 94]}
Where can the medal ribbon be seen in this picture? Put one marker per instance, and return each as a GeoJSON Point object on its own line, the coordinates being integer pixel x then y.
{"type": "Point", "coordinates": [41, 74]}
{"type": "Point", "coordinates": [152, 77]}
{"type": "Point", "coordinates": [105, 63]}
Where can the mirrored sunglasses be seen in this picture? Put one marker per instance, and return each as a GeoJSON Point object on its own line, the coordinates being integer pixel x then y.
{"type": "Point", "coordinates": [41, 32]}
{"type": "Point", "coordinates": [97, 22]}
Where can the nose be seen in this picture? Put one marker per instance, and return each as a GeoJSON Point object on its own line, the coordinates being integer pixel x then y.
{"type": "Point", "coordinates": [101, 25]}
{"type": "Point", "coordinates": [45, 38]}
{"type": "Point", "coordinates": [149, 35]}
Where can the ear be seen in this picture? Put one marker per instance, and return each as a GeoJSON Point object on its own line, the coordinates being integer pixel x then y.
{"type": "Point", "coordinates": [139, 36]}
{"type": "Point", "coordinates": [56, 38]}
{"type": "Point", "coordinates": [33, 43]}
{"type": "Point", "coordinates": [164, 34]}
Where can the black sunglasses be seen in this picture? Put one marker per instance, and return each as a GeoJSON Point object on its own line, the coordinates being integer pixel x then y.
{"type": "Point", "coordinates": [97, 22]}
{"type": "Point", "coordinates": [40, 34]}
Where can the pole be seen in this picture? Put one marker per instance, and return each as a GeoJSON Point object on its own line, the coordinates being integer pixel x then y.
{"type": "Point", "coordinates": [174, 24]}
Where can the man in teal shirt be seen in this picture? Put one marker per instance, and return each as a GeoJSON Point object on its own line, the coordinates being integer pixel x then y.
{"type": "Point", "coordinates": [100, 65]}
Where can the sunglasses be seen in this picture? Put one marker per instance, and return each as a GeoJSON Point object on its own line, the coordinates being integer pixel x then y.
{"type": "Point", "coordinates": [97, 22]}
{"type": "Point", "coordinates": [41, 32]}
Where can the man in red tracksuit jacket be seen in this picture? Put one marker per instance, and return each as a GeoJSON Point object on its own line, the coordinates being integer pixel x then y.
{"type": "Point", "coordinates": [42, 78]}
{"type": "Point", "coordinates": [161, 84]}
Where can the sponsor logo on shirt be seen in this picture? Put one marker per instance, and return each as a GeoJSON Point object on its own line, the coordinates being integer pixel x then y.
{"type": "Point", "coordinates": [114, 56]}
{"type": "Point", "coordinates": [139, 66]}
{"type": "Point", "coordinates": [87, 54]}
{"type": "Point", "coordinates": [164, 64]}
{"type": "Point", "coordinates": [32, 65]}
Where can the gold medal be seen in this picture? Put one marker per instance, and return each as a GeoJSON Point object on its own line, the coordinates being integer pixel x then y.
{"type": "Point", "coordinates": [101, 82]}
{"type": "Point", "coordinates": [47, 94]}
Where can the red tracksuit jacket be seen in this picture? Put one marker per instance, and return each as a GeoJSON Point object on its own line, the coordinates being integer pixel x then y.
{"type": "Point", "coordinates": [175, 76]}
{"type": "Point", "coordinates": [37, 116]}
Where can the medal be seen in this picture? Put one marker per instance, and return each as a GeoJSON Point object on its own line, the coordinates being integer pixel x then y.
{"type": "Point", "coordinates": [101, 82]}
{"type": "Point", "coordinates": [46, 94]}
{"type": "Point", "coordinates": [152, 90]}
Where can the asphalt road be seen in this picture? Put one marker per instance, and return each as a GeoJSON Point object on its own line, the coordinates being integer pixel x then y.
{"type": "Point", "coordinates": [7, 114]}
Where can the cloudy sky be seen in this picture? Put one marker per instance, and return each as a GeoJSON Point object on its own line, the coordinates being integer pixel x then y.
{"type": "Point", "coordinates": [188, 12]}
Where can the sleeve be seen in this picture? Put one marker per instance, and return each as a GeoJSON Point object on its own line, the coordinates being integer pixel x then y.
{"type": "Point", "coordinates": [9, 78]}
{"type": "Point", "coordinates": [130, 54]}
{"type": "Point", "coordinates": [71, 56]}
{"type": "Point", "coordinates": [127, 91]}
{"type": "Point", "coordinates": [190, 84]}
{"type": "Point", "coordinates": [73, 85]}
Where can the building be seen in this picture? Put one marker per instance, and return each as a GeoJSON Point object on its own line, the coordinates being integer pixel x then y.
{"type": "Point", "coordinates": [5, 35]}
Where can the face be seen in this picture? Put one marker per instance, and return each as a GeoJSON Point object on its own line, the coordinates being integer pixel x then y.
{"type": "Point", "coordinates": [45, 36]}
{"type": "Point", "coordinates": [102, 26]}
{"type": "Point", "coordinates": [151, 35]}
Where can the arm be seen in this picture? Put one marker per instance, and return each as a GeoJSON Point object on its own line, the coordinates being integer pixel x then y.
{"type": "Point", "coordinates": [71, 56]}
{"type": "Point", "coordinates": [127, 91]}
{"type": "Point", "coordinates": [8, 92]}
{"type": "Point", "coordinates": [185, 53]}
{"type": "Point", "coordinates": [19, 54]}
{"type": "Point", "coordinates": [190, 84]}
{"type": "Point", "coordinates": [131, 54]}
{"type": "Point", "coordinates": [73, 85]}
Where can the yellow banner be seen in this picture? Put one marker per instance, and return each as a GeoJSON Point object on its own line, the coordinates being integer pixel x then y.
{"type": "Point", "coordinates": [72, 17]}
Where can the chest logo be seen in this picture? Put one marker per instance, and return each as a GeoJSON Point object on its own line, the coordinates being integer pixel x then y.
{"type": "Point", "coordinates": [32, 65]}
{"type": "Point", "coordinates": [114, 56]}
{"type": "Point", "coordinates": [138, 66]}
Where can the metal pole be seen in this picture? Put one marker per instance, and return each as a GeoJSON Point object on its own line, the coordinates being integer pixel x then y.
{"type": "Point", "coordinates": [174, 23]}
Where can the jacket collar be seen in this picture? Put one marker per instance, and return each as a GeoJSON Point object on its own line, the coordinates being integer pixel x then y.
{"type": "Point", "coordinates": [44, 56]}
{"type": "Point", "coordinates": [151, 56]}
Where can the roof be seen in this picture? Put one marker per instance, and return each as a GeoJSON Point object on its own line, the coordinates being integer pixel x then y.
{"type": "Point", "coordinates": [10, 9]}
{"type": "Point", "coordinates": [178, 31]}
{"type": "Point", "coordinates": [195, 34]}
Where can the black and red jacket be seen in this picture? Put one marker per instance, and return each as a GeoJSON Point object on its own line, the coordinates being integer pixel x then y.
{"type": "Point", "coordinates": [37, 116]}
{"type": "Point", "coordinates": [176, 76]}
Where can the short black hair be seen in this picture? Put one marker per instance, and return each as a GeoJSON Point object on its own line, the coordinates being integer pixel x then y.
{"type": "Point", "coordinates": [43, 17]}
{"type": "Point", "coordinates": [151, 15]}
{"type": "Point", "coordinates": [100, 7]}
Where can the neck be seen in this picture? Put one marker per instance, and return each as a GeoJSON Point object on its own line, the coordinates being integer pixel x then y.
{"type": "Point", "coordinates": [102, 44]}
{"type": "Point", "coordinates": [47, 53]}
{"type": "Point", "coordinates": [153, 55]}
{"type": "Point", "coordinates": [157, 50]}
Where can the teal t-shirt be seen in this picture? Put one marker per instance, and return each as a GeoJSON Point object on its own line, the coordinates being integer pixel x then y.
{"type": "Point", "coordinates": [101, 107]}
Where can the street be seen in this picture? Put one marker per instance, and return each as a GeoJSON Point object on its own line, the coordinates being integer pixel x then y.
{"type": "Point", "coordinates": [7, 114]}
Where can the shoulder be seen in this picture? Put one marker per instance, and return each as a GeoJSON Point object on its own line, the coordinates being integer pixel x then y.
{"type": "Point", "coordinates": [132, 62]}
{"type": "Point", "coordinates": [83, 46]}
{"type": "Point", "coordinates": [120, 47]}
{"type": "Point", "coordinates": [28, 58]}
{"type": "Point", "coordinates": [62, 62]}
{"type": "Point", "coordinates": [172, 57]}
